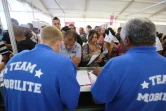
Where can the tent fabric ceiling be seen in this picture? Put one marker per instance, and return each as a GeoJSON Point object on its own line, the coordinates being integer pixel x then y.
{"type": "Point", "coordinates": [103, 8]}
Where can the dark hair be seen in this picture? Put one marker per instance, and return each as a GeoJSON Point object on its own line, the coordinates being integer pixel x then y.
{"type": "Point", "coordinates": [30, 25]}
{"type": "Point", "coordinates": [119, 29]}
{"type": "Point", "coordinates": [164, 37]}
{"type": "Point", "coordinates": [89, 27]}
{"type": "Point", "coordinates": [82, 28]}
{"type": "Point", "coordinates": [15, 21]}
{"type": "Point", "coordinates": [160, 35]}
{"type": "Point", "coordinates": [91, 33]}
{"type": "Point", "coordinates": [35, 28]}
{"type": "Point", "coordinates": [71, 25]}
{"type": "Point", "coordinates": [43, 26]}
{"type": "Point", "coordinates": [157, 34]}
{"type": "Point", "coordinates": [66, 28]}
{"type": "Point", "coordinates": [96, 28]}
{"type": "Point", "coordinates": [111, 30]}
{"type": "Point", "coordinates": [70, 35]}
{"type": "Point", "coordinates": [55, 18]}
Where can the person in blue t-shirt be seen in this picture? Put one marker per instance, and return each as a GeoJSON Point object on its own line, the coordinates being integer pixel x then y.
{"type": "Point", "coordinates": [135, 81]}
{"type": "Point", "coordinates": [36, 80]}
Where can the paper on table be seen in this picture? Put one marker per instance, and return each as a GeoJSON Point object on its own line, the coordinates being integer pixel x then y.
{"type": "Point", "coordinates": [82, 77]}
{"type": "Point", "coordinates": [93, 58]}
{"type": "Point", "coordinates": [93, 77]}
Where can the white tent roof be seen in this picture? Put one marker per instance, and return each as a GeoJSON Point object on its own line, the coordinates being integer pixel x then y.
{"type": "Point", "coordinates": [102, 8]}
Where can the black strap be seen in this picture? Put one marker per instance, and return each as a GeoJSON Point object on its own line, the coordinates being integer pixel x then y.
{"type": "Point", "coordinates": [88, 48]}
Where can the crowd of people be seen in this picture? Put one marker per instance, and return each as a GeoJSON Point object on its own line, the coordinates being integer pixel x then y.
{"type": "Point", "coordinates": [50, 78]}
{"type": "Point", "coordinates": [78, 46]}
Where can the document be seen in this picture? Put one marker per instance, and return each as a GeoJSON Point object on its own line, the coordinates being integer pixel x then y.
{"type": "Point", "coordinates": [92, 77]}
{"type": "Point", "coordinates": [83, 77]}
{"type": "Point", "coordinates": [93, 58]}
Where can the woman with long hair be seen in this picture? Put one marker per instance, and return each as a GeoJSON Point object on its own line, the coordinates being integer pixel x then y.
{"type": "Point", "coordinates": [91, 48]}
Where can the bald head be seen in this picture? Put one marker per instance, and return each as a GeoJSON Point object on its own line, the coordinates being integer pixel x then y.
{"type": "Point", "coordinates": [18, 31]}
{"type": "Point", "coordinates": [51, 35]}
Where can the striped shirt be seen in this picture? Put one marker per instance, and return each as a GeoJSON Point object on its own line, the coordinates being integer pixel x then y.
{"type": "Point", "coordinates": [3, 48]}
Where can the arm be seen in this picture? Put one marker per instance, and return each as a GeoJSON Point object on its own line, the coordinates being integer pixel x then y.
{"type": "Point", "coordinates": [9, 46]}
{"type": "Point", "coordinates": [85, 56]}
{"type": "Point", "coordinates": [110, 48]}
{"type": "Point", "coordinates": [106, 86]}
{"type": "Point", "coordinates": [69, 87]}
{"type": "Point", "coordinates": [77, 58]}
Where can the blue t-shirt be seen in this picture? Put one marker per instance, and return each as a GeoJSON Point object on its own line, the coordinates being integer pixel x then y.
{"type": "Point", "coordinates": [135, 81]}
{"type": "Point", "coordinates": [40, 80]}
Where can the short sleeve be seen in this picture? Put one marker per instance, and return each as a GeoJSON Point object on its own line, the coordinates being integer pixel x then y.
{"type": "Point", "coordinates": [78, 52]}
{"type": "Point", "coordinates": [106, 85]}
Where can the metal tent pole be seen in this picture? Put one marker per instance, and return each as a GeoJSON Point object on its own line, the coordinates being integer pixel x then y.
{"type": "Point", "coordinates": [9, 25]}
{"type": "Point", "coordinates": [164, 1]}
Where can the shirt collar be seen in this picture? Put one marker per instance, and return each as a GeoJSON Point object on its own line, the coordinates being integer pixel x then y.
{"type": "Point", "coordinates": [43, 46]}
{"type": "Point", "coordinates": [63, 46]}
{"type": "Point", "coordinates": [143, 49]}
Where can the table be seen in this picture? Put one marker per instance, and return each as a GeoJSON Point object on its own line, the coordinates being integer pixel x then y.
{"type": "Point", "coordinates": [86, 102]}
{"type": "Point", "coordinates": [85, 88]}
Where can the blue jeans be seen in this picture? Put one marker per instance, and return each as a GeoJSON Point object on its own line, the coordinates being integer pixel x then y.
{"type": "Point", "coordinates": [1, 92]}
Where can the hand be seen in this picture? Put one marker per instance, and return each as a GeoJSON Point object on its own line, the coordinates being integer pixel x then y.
{"type": "Point", "coordinates": [96, 71]}
{"type": "Point", "coordinates": [98, 51]}
{"type": "Point", "coordinates": [11, 55]}
{"type": "Point", "coordinates": [99, 60]}
{"type": "Point", "coordinates": [76, 60]}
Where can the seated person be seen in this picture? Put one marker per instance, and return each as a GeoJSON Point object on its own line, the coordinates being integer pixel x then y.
{"type": "Point", "coordinates": [22, 42]}
{"type": "Point", "coordinates": [89, 49]}
{"type": "Point", "coordinates": [71, 48]}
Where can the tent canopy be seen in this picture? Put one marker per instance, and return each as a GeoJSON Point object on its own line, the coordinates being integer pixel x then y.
{"type": "Point", "coordinates": [102, 9]}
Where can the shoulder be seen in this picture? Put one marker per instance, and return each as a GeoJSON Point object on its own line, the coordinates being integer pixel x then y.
{"type": "Point", "coordinates": [18, 56]}
{"type": "Point", "coordinates": [78, 45]}
{"type": "Point", "coordinates": [62, 60]}
{"type": "Point", "coordinates": [85, 45]}
{"type": "Point", "coordinates": [120, 60]}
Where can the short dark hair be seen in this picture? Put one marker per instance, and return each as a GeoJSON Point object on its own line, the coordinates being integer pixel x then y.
{"type": "Point", "coordinates": [66, 28]}
{"type": "Point", "coordinates": [43, 26]}
{"type": "Point", "coordinates": [15, 21]}
{"type": "Point", "coordinates": [71, 25]}
{"type": "Point", "coordinates": [18, 31]}
{"type": "Point", "coordinates": [111, 30]}
{"type": "Point", "coordinates": [96, 28]}
{"type": "Point", "coordinates": [70, 35]}
{"type": "Point", "coordinates": [119, 29]}
{"type": "Point", "coordinates": [55, 18]}
{"type": "Point", "coordinates": [30, 25]}
{"type": "Point", "coordinates": [89, 27]}
{"type": "Point", "coordinates": [35, 28]}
